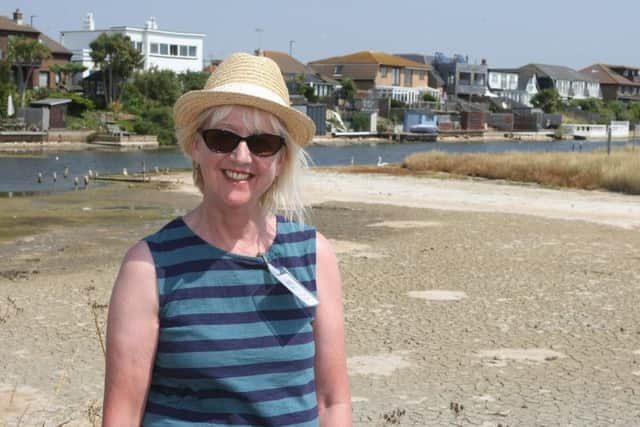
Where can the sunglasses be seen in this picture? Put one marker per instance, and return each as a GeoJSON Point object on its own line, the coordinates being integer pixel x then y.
{"type": "Point", "coordinates": [223, 141]}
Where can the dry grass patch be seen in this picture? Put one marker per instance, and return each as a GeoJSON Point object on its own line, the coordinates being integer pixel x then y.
{"type": "Point", "coordinates": [618, 172]}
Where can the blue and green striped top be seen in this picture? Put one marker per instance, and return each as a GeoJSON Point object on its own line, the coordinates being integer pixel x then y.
{"type": "Point", "coordinates": [235, 347]}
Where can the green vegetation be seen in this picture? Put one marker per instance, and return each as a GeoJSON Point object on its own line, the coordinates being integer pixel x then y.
{"type": "Point", "coordinates": [348, 90]}
{"type": "Point", "coordinates": [548, 100]}
{"type": "Point", "coordinates": [26, 55]}
{"type": "Point", "coordinates": [619, 172]}
{"type": "Point", "coordinates": [427, 97]}
{"type": "Point", "coordinates": [6, 85]}
{"type": "Point", "coordinates": [360, 121]}
{"type": "Point", "coordinates": [117, 58]}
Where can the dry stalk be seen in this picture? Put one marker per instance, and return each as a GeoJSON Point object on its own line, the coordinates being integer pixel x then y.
{"type": "Point", "coordinates": [94, 308]}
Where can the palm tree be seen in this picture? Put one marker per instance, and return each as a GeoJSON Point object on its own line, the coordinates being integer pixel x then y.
{"type": "Point", "coordinates": [26, 55]}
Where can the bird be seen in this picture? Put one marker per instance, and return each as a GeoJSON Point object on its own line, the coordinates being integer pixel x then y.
{"type": "Point", "coordinates": [351, 160]}
{"type": "Point", "coordinates": [381, 163]}
{"type": "Point", "coordinates": [90, 173]}
{"type": "Point", "coordinates": [86, 181]}
{"type": "Point", "coordinates": [55, 177]}
{"type": "Point", "coordinates": [66, 172]}
{"type": "Point", "coordinates": [124, 172]}
{"type": "Point", "coordinates": [39, 177]}
{"type": "Point", "coordinates": [75, 181]}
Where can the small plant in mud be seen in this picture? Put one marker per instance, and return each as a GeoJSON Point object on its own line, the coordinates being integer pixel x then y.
{"type": "Point", "coordinates": [393, 417]}
{"type": "Point", "coordinates": [94, 413]}
{"type": "Point", "coordinates": [12, 309]}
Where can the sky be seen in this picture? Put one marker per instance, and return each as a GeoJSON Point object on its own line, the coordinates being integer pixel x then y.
{"type": "Point", "coordinates": [506, 33]}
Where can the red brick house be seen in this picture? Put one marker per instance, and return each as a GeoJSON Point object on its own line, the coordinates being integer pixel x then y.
{"type": "Point", "coordinates": [43, 76]}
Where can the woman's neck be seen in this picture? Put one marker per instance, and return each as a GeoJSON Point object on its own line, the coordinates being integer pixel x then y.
{"type": "Point", "coordinates": [241, 231]}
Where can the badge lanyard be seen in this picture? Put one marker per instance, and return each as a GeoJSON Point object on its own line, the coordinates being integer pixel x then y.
{"type": "Point", "coordinates": [283, 276]}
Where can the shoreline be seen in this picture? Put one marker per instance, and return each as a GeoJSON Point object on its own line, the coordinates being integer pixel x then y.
{"type": "Point", "coordinates": [8, 147]}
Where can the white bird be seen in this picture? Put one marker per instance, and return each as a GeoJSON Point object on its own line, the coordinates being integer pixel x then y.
{"type": "Point", "coordinates": [55, 177]}
{"type": "Point", "coordinates": [39, 177]}
{"type": "Point", "coordinates": [86, 181]}
{"type": "Point", "coordinates": [75, 181]}
{"type": "Point", "coordinates": [124, 172]}
{"type": "Point", "coordinates": [90, 173]}
{"type": "Point", "coordinates": [381, 163]}
{"type": "Point", "coordinates": [66, 172]}
{"type": "Point", "coordinates": [351, 160]}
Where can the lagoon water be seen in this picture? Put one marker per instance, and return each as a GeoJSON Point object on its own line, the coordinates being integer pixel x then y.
{"type": "Point", "coordinates": [18, 172]}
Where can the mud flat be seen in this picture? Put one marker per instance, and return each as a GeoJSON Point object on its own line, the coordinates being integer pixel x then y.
{"type": "Point", "coordinates": [466, 303]}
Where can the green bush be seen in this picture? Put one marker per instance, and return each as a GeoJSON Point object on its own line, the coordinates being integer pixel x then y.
{"type": "Point", "coordinates": [360, 121]}
{"type": "Point", "coordinates": [427, 97]}
{"type": "Point", "coordinates": [397, 104]}
{"type": "Point", "coordinates": [157, 121]}
{"type": "Point", "coordinates": [79, 103]}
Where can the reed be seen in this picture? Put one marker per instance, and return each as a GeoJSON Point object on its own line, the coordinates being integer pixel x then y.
{"type": "Point", "coordinates": [619, 171]}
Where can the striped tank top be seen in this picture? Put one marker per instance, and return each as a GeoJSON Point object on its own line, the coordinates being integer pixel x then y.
{"type": "Point", "coordinates": [235, 347]}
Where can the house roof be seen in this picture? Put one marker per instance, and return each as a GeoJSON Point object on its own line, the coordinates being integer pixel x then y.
{"type": "Point", "coordinates": [287, 63]}
{"type": "Point", "coordinates": [606, 75]}
{"type": "Point", "coordinates": [54, 46]}
{"type": "Point", "coordinates": [291, 66]}
{"type": "Point", "coordinates": [372, 58]}
{"type": "Point", "coordinates": [558, 72]}
{"type": "Point", "coordinates": [8, 24]}
{"type": "Point", "coordinates": [51, 101]}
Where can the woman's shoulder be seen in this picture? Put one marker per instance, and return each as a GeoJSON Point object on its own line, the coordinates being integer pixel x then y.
{"type": "Point", "coordinates": [176, 228]}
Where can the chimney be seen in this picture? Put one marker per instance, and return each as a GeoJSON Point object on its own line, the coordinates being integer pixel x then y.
{"type": "Point", "coordinates": [483, 61]}
{"type": "Point", "coordinates": [88, 23]}
{"type": "Point", "coordinates": [17, 17]}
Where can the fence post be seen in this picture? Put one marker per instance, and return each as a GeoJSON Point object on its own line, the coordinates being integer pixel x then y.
{"type": "Point", "coordinates": [609, 140]}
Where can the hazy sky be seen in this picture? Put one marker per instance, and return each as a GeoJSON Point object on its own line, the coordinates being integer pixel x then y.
{"type": "Point", "coordinates": [508, 33]}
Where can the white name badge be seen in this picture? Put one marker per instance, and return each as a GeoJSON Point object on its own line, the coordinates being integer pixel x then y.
{"type": "Point", "coordinates": [291, 283]}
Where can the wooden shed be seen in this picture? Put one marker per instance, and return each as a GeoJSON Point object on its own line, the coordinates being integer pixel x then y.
{"type": "Point", "coordinates": [55, 109]}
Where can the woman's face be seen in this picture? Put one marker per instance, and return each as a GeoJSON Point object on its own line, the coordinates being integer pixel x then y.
{"type": "Point", "coordinates": [239, 178]}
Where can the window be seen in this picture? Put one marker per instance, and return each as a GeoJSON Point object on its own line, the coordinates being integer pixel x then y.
{"type": "Point", "coordinates": [383, 71]}
{"type": "Point", "coordinates": [43, 79]}
{"type": "Point", "coordinates": [408, 77]}
{"type": "Point", "coordinates": [395, 72]}
{"type": "Point", "coordinates": [192, 51]}
{"type": "Point", "coordinates": [173, 50]}
{"type": "Point", "coordinates": [154, 48]}
{"type": "Point", "coordinates": [164, 49]}
{"type": "Point", "coordinates": [464, 78]}
{"type": "Point", "coordinates": [478, 79]}
{"type": "Point", "coordinates": [337, 70]}
{"type": "Point", "coordinates": [184, 50]}
{"type": "Point", "coordinates": [422, 75]}
{"type": "Point", "coordinates": [139, 46]}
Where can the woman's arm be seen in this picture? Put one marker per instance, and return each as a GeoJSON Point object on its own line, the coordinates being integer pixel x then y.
{"type": "Point", "coordinates": [132, 335]}
{"type": "Point", "coordinates": [332, 385]}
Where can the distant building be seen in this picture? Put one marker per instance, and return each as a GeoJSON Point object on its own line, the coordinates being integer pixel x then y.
{"type": "Point", "coordinates": [292, 70]}
{"type": "Point", "coordinates": [435, 80]}
{"type": "Point", "coordinates": [507, 83]}
{"type": "Point", "coordinates": [461, 78]}
{"type": "Point", "coordinates": [382, 74]}
{"type": "Point", "coordinates": [617, 82]}
{"type": "Point", "coordinates": [165, 50]}
{"type": "Point", "coordinates": [569, 83]}
{"type": "Point", "coordinates": [42, 77]}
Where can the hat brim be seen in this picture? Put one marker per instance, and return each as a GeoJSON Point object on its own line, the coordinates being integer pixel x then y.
{"type": "Point", "coordinates": [300, 127]}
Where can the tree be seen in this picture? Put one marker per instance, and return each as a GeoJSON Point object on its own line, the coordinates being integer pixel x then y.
{"type": "Point", "coordinates": [349, 89]}
{"type": "Point", "coordinates": [117, 59]}
{"type": "Point", "coordinates": [193, 80]}
{"type": "Point", "coordinates": [305, 89]}
{"type": "Point", "coordinates": [66, 71]}
{"type": "Point", "coordinates": [548, 100]}
{"type": "Point", "coordinates": [26, 55]}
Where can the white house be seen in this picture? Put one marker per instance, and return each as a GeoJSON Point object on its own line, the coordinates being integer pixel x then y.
{"type": "Point", "coordinates": [166, 50]}
{"type": "Point", "coordinates": [508, 83]}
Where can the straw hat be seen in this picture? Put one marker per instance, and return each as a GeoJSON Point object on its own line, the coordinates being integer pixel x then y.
{"type": "Point", "coordinates": [254, 81]}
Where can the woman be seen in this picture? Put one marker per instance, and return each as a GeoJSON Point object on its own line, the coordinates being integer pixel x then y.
{"type": "Point", "coordinates": [232, 315]}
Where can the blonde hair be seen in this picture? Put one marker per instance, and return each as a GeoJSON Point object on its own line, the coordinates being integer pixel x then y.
{"type": "Point", "coordinates": [285, 195]}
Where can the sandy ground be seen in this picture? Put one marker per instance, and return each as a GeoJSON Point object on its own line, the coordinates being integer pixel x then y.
{"type": "Point", "coordinates": [466, 302]}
